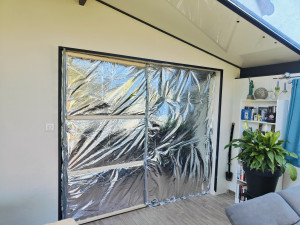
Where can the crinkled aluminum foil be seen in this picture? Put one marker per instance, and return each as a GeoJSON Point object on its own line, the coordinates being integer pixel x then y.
{"type": "Point", "coordinates": [93, 194]}
{"type": "Point", "coordinates": [178, 142]}
{"type": "Point", "coordinates": [97, 143]}
{"type": "Point", "coordinates": [104, 88]}
{"type": "Point", "coordinates": [174, 138]}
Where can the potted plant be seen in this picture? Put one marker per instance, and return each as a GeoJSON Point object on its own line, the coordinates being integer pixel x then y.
{"type": "Point", "coordinates": [264, 160]}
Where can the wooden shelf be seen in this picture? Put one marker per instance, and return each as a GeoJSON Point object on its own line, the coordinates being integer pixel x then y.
{"type": "Point", "coordinates": [241, 181]}
{"type": "Point", "coordinates": [253, 121]}
{"type": "Point", "coordinates": [281, 120]}
{"type": "Point", "coordinates": [260, 100]}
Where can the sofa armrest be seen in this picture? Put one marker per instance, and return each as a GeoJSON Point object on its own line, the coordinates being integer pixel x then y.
{"type": "Point", "coordinates": [265, 210]}
{"type": "Point", "coordinates": [292, 197]}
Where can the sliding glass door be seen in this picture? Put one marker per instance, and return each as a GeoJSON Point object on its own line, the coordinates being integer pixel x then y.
{"type": "Point", "coordinates": [133, 134]}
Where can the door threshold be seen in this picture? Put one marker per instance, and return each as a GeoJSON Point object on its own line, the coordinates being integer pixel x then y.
{"type": "Point", "coordinates": [87, 220]}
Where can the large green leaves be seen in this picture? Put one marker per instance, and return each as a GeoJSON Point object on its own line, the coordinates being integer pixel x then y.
{"type": "Point", "coordinates": [291, 171]}
{"type": "Point", "coordinates": [294, 155]}
{"type": "Point", "coordinates": [279, 159]}
{"type": "Point", "coordinates": [274, 137]}
{"type": "Point", "coordinates": [232, 143]}
{"type": "Point", "coordinates": [260, 158]}
{"type": "Point", "coordinates": [264, 152]}
{"type": "Point", "coordinates": [271, 166]}
{"type": "Point", "coordinates": [271, 156]}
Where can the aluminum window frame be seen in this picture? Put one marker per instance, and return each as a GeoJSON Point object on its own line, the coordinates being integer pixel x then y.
{"type": "Point", "coordinates": [62, 50]}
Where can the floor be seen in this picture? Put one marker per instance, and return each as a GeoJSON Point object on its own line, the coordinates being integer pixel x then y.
{"type": "Point", "coordinates": [206, 210]}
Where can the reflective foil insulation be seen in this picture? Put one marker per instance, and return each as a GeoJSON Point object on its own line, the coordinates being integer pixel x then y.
{"type": "Point", "coordinates": [133, 133]}
{"type": "Point", "coordinates": [179, 149]}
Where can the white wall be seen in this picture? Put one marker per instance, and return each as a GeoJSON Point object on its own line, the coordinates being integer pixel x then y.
{"type": "Point", "coordinates": [31, 32]}
{"type": "Point", "coordinates": [241, 91]}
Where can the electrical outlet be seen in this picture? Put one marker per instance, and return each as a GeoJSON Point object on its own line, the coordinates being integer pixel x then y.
{"type": "Point", "coordinates": [50, 127]}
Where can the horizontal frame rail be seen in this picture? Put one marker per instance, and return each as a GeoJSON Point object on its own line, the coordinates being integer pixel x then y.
{"type": "Point", "coordinates": [100, 117]}
{"type": "Point", "coordinates": [105, 168]}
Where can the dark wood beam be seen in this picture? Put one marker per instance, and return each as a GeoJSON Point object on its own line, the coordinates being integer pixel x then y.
{"type": "Point", "coordinates": [82, 2]}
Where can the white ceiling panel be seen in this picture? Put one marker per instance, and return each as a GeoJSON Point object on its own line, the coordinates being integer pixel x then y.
{"type": "Point", "coordinates": [211, 26]}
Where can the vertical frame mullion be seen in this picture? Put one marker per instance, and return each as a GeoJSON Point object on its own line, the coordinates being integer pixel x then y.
{"type": "Point", "coordinates": [146, 134]}
{"type": "Point", "coordinates": [63, 115]}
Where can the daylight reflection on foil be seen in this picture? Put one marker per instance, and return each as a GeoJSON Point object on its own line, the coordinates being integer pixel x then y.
{"type": "Point", "coordinates": [156, 120]}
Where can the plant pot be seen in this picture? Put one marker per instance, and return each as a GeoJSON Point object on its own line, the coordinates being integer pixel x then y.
{"type": "Point", "coordinates": [260, 183]}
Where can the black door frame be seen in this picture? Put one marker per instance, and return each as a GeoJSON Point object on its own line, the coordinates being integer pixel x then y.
{"type": "Point", "coordinates": [60, 74]}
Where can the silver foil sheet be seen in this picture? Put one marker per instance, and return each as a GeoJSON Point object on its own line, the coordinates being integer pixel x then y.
{"type": "Point", "coordinates": [97, 143]}
{"type": "Point", "coordinates": [179, 149]}
{"type": "Point", "coordinates": [97, 87]}
{"type": "Point", "coordinates": [161, 115]}
{"type": "Point", "coordinates": [93, 194]}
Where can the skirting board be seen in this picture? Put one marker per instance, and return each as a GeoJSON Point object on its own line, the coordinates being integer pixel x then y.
{"type": "Point", "coordinates": [87, 220]}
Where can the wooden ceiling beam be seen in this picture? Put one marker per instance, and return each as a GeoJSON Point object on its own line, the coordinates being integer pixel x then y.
{"type": "Point", "coordinates": [82, 2]}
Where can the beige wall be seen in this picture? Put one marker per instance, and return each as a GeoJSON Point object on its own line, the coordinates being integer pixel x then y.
{"type": "Point", "coordinates": [31, 32]}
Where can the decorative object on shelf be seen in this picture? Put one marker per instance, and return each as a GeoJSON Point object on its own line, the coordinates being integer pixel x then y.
{"type": "Point", "coordinates": [255, 117]}
{"type": "Point", "coordinates": [284, 88]}
{"type": "Point", "coordinates": [264, 160]}
{"type": "Point", "coordinates": [254, 114]}
{"type": "Point", "coordinates": [260, 114]}
{"type": "Point", "coordinates": [277, 90]}
{"type": "Point", "coordinates": [261, 93]}
{"type": "Point", "coordinates": [246, 114]}
{"type": "Point", "coordinates": [251, 86]}
{"type": "Point", "coordinates": [262, 111]}
{"type": "Point", "coordinates": [271, 114]}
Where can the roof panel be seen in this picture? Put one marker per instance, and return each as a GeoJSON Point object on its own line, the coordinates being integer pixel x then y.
{"type": "Point", "coordinates": [281, 17]}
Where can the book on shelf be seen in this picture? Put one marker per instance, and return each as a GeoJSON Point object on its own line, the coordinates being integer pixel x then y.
{"type": "Point", "coordinates": [241, 173]}
{"type": "Point", "coordinates": [260, 114]}
{"type": "Point", "coordinates": [242, 193]}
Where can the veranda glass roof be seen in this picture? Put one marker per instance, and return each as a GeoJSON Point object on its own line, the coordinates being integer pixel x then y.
{"type": "Point", "coordinates": [280, 16]}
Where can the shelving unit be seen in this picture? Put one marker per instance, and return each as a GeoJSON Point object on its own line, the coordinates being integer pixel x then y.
{"type": "Point", "coordinates": [252, 121]}
{"type": "Point", "coordinates": [280, 124]}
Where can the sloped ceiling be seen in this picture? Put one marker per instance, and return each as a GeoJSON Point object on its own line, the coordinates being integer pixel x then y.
{"type": "Point", "coordinates": [211, 26]}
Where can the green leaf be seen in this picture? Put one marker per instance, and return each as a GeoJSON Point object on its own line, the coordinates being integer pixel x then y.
{"type": "Point", "coordinates": [291, 171]}
{"type": "Point", "coordinates": [234, 141]}
{"type": "Point", "coordinates": [294, 155]}
{"type": "Point", "coordinates": [263, 166]}
{"type": "Point", "coordinates": [271, 165]}
{"type": "Point", "coordinates": [274, 137]}
{"type": "Point", "coordinates": [254, 153]}
{"type": "Point", "coordinates": [260, 158]}
{"type": "Point", "coordinates": [257, 165]}
{"type": "Point", "coordinates": [279, 159]}
{"type": "Point", "coordinates": [278, 147]}
{"type": "Point", "coordinates": [252, 165]}
{"type": "Point", "coordinates": [280, 142]}
{"type": "Point", "coordinates": [271, 156]}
